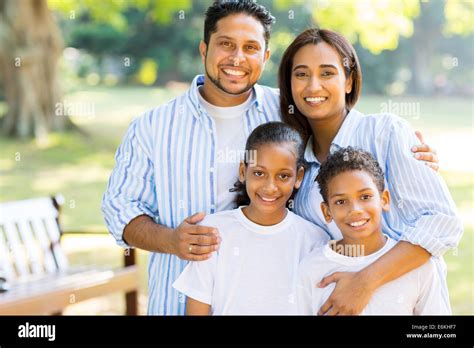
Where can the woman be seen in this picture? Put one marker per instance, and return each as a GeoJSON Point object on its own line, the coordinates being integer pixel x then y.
{"type": "Point", "coordinates": [320, 82]}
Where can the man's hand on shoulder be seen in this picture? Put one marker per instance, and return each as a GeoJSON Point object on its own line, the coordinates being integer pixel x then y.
{"type": "Point", "coordinates": [193, 242]}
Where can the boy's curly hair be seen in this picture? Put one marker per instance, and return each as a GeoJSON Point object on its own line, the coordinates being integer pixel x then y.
{"type": "Point", "coordinates": [349, 159]}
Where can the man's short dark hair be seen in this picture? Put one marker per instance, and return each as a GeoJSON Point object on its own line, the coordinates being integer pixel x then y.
{"type": "Point", "coordinates": [345, 160]}
{"type": "Point", "coordinates": [223, 8]}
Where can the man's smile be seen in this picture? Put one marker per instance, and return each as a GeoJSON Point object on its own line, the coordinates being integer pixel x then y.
{"type": "Point", "coordinates": [234, 72]}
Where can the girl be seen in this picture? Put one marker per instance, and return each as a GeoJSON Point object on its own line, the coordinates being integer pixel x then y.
{"type": "Point", "coordinates": [254, 271]}
{"type": "Point", "coordinates": [320, 82]}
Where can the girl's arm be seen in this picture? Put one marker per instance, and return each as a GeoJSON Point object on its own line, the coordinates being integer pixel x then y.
{"type": "Point", "coordinates": [424, 215]}
{"type": "Point", "coordinates": [194, 307]}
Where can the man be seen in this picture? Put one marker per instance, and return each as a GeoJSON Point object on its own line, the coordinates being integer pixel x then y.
{"type": "Point", "coordinates": [170, 166]}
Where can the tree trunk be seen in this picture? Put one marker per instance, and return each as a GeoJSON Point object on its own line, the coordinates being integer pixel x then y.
{"type": "Point", "coordinates": [30, 46]}
{"type": "Point", "coordinates": [427, 31]}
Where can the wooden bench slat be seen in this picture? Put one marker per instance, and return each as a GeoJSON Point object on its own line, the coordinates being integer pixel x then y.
{"type": "Point", "coordinates": [45, 244]}
{"type": "Point", "coordinates": [5, 259]}
{"type": "Point", "coordinates": [27, 209]}
{"type": "Point", "coordinates": [54, 235]}
{"type": "Point", "coordinates": [32, 252]}
{"type": "Point", "coordinates": [53, 293]}
{"type": "Point", "coordinates": [17, 250]}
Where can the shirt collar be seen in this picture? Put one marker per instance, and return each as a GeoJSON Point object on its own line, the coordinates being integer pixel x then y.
{"type": "Point", "coordinates": [199, 109]}
{"type": "Point", "coordinates": [348, 127]}
{"type": "Point", "coordinates": [342, 138]}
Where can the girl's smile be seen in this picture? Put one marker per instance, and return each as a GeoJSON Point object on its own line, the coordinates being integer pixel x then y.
{"type": "Point", "coordinates": [270, 182]}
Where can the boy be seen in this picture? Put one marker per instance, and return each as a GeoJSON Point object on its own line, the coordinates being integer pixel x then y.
{"type": "Point", "coordinates": [352, 185]}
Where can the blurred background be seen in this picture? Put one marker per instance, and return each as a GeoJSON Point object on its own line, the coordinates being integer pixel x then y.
{"type": "Point", "coordinates": [73, 73]}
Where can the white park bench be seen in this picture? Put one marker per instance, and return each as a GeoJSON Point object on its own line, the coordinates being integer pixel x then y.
{"type": "Point", "coordinates": [36, 268]}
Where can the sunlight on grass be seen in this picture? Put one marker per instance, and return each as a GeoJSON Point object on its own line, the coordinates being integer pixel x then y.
{"type": "Point", "coordinates": [63, 177]}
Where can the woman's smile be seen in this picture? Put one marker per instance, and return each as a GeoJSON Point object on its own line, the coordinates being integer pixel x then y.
{"type": "Point", "coordinates": [318, 82]}
{"type": "Point", "coordinates": [315, 101]}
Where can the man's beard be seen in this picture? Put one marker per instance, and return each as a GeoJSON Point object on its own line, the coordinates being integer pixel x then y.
{"type": "Point", "coordinates": [218, 84]}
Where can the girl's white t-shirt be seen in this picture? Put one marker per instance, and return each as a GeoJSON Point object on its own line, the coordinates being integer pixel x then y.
{"type": "Point", "coordinates": [415, 293]}
{"type": "Point", "coordinates": [255, 269]}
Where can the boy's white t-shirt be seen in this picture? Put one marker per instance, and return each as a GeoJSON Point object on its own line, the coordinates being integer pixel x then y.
{"type": "Point", "coordinates": [255, 269]}
{"type": "Point", "coordinates": [416, 293]}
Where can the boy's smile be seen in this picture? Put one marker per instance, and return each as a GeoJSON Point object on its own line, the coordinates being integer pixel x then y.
{"type": "Point", "coordinates": [356, 205]}
{"type": "Point", "coordinates": [270, 183]}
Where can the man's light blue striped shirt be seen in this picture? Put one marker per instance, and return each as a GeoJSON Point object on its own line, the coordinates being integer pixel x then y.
{"type": "Point", "coordinates": [166, 168]}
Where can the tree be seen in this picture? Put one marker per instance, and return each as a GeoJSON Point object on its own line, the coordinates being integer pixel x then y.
{"type": "Point", "coordinates": [31, 45]}
{"type": "Point", "coordinates": [453, 17]}
{"type": "Point", "coordinates": [378, 25]}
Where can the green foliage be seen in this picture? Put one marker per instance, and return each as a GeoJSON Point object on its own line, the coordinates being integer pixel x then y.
{"type": "Point", "coordinates": [459, 17]}
{"type": "Point", "coordinates": [169, 32]}
{"type": "Point", "coordinates": [376, 24]}
{"type": "Point", "coordinates": [98, 38]}
{"type": "Point", "coordinates": [148, 72]}
{"type": "Point", "coordinates": [112, 11]}
{"type": "Point", "coordinates": [105, 12]}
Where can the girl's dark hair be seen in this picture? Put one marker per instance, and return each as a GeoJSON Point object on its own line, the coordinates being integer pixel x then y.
{"type": "Point", "coordinates": [223, 8]}
{"type": "Point", "coordinates": [350, 62]}
{"type": "Point", "coordinates": [269, 133]}
{"type": "Point", "coordinates": [345, 160]}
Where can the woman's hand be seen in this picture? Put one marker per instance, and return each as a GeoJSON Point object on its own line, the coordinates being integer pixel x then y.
{"type": "Point", "coordinates": [425, 153]}
{"type": "Point", "coordinates": [350, 296]}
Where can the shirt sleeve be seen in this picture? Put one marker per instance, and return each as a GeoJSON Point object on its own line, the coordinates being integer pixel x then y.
{"type": "Point", "coordinates": [425, 210]}
{"type": "Point", "coordinates": [131, 188]}
{"type": "Point", "coordinates": [197, 280]}
{"type": "Point", "coordinates": [431, 299]}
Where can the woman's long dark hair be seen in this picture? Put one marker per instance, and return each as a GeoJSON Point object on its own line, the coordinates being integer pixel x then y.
{"type": "Point", "coordinates": [269, 133]}
{"type": "Point", "coordinates": [290, 113]}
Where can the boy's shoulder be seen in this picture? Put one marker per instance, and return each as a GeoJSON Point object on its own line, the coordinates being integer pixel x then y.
{"type": "Point", "coordinates": [312, 264]}
{"type": "Point", "coordinates": [428, 270]}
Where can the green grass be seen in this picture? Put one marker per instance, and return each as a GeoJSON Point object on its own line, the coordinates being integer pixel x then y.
{"type": "Point", "coordinates": [423, 113]}
{"type": "Point", "coordinates": [78, 167]}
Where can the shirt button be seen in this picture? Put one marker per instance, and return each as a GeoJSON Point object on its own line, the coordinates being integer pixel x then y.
{"type": "Point", "coordinates": [211, 170]}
